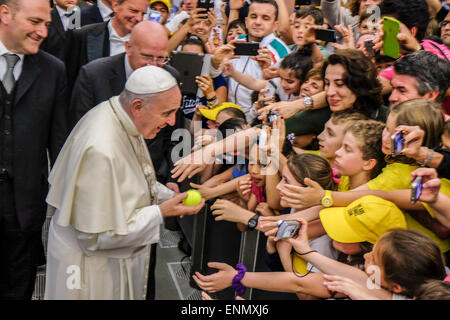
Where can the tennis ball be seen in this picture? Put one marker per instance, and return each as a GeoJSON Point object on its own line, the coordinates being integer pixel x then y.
{"type": "Point", "coordinates": [193, 198]}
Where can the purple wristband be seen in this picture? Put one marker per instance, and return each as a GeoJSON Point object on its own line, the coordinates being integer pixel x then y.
{"type": "Point", "coordinates": [236, 282]}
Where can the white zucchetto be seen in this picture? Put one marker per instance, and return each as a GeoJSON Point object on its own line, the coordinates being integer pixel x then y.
{"type": "Point", "coordinates": [150, 79]}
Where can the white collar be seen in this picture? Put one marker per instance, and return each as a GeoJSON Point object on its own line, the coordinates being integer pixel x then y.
{"type": "Point", "coordinates": [61, 11]}
{"type": "Point", "coordinates": [104, 10]}
{"type": "Point", "coordinates": [114, 35]}
{"type": "Point", "coordinates": [4, 50]}
{"type": "Point", "coordinates": [267, 40]}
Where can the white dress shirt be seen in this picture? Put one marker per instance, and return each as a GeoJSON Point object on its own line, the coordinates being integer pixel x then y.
{"type": "Point", "coordinates": [116, 43]}
{"type": "Point", "coordinates": [105, 12]}
{"type": "Point", "coordinates": [3, 66]}
{"type": "Point", "coordinates": [62, 15]}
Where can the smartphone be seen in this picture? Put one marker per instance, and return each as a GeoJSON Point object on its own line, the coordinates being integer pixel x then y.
{"type": "Point", "coordinates": [155, 16]}
{"type": "Point", "coordinates": [397, 141]}
{"type": "Point", "coordinates": [391, 46]}
{"type": "Point", "coordinates": [368, 45]}
{"type": "Point", "coordinates": [288, 229]}
{"type": "Point", "coordinates": [416, 189]}
{"type": "Point", "coordinates": [216, 36]}
{"type": "Point", "coordinates": [299, 3]}
{"type": "Point", "coordinates": [205, 4]}
{"type": "Point", "coordinates": [326, 35]}
{"type": "Point", "coordinates": [246, 48]}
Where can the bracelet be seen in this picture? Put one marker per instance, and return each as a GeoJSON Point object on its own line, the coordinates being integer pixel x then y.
{"type": "Point", "coordinates": [427, 160]}
{"type": "Point", "coordinates": [236, 282]}
{"type": "Point", "coordinates": [212, 99]}
{"type": "Point", "coordinates": [302, 254]}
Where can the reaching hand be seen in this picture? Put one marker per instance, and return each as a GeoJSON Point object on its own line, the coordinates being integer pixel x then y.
{"type": "Point", "coordinates": [413, 136]}
{"type": "Point", "coordinates": [217, 281]}
{"type": "Point", "coordinates": [408, 43]}
{"type": "Point", "coordinates": [300, 243]}
{"type": "Point", "coordinates": [206, 192]}
{"type": "Point", "coordinates": [228, 211]}
{"type": "Point", "coordinates": [347, 36]}
{"type": "Point", "coordinates": [431, 184]}
{"type": "Point", "coordinates": [244, 188]}
{"type": "Point", "coordinates": [303, 197]}
{"type": "Point", "coordinates": [347, 286]}
{"type": "Point", "coordinates": [285, 108]}
{"type": "Point", "coordinates": [263, 209]}
{"type": "Point", "coordinates": [205, 83]}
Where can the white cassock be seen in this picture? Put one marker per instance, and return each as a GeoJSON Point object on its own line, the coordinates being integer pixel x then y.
{"type": "Point", "coordinates": [105, 192]}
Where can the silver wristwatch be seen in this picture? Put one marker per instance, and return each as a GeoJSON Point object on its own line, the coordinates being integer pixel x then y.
{"type": "Point", "coordinates": [308, 103]}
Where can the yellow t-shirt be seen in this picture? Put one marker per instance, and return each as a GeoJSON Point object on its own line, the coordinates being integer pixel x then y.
{"type": "Point", "coordinates": [316, 152]}
{"type": "Point", "coordinates": [344, 185]}
{"type": "Point", "coordinates": [397, 176]}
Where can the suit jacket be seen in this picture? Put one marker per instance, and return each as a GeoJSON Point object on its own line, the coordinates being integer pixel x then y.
{"type": "Point", "coordinates": [39, 124]}
{"type": "Point", "coordinates": [104, 78]}
{"type": "Point", "coordinates": [90, 15]}
{"type": "Point", "coordinates": [57, 40]}
{"type": "Point", "coordinates": [86, 44]}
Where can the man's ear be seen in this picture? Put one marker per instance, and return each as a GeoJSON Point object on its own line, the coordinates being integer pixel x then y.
{"type": "Point", "coordinates": [5, 14]}
{"type": "Point", "coordinates": [396, 288]}
{"type": "Point", "coordinates": [136, 108]}
{"type": "Point", "coordinates": [432, 95]}
{"type": "Point", "coordinates": [414, 31]}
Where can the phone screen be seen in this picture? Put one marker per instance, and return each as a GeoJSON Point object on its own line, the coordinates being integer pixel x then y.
{"type": "Point", "coordinates": [397, 143]}
{"type": "Point", "coordinates": [416, 189]}
{"type": "Point", "coordinates": [155, 16]}
{"type": "Point", "coordinates": [288, 229]}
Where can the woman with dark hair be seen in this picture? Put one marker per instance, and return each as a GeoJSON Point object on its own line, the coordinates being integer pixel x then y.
{"type": "Point", "coordinates": [351, 82]}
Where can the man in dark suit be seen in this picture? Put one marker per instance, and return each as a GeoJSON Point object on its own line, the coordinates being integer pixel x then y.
{"type": "Point", "coordinates": [101, 11]}
{"type": "Point", "coordinates": [33, 103]}
{"type": "Point", "coordinates": [57, 39]}
{"type": "Point", "coordinates": [104, 78]}
{"type": "Point", "coordinates": [103, 39]}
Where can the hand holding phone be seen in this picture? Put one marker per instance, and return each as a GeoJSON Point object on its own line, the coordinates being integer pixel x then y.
{"type": "Point", "coordinates": [287, 229]}
{"type": "Point", "coordinates": [155, 16]}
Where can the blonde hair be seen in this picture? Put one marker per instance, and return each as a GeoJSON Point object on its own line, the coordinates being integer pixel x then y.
{"type": "Point", "coordinates": [347, 117]}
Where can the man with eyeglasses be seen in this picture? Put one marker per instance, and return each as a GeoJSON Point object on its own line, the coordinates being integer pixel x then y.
{"type": "Point", "coordinates": [104, 78]}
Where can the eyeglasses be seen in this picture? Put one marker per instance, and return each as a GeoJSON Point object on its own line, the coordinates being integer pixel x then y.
{"type": "Point", "coordinates": [444, 23]}
{"type": "Point", "coordinates": [154, 59]}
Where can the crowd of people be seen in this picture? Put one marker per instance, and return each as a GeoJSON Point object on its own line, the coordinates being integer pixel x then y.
{"type": "Point", "coordinates": [335, 150]}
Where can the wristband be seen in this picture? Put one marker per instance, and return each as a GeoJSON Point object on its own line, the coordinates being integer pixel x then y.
{"type": "Point", "coordinates": [236, 282]}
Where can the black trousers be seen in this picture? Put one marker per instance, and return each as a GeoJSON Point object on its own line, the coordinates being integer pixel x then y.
{"type": "Point", "coordinates": [20, 253]}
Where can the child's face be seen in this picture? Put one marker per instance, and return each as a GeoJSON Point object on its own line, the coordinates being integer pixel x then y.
{"type": "Point", "coordinates": [288, 81]}
{"type": "Point", "coordinates": [446, 140]}
{"type": "Point", "coordinates": [299, 28]}
{"type": "Point", "coordinates": [233, 33]}
{"type": "Point", "coordinates": [330, 139]}
{"type": "Point", "coordinates": [254, 168]}
{"type": "Point", "coordinates": [311, 86]}
{"type": "Point", "coordinates": [286, 178]}
{"type": "Point", "coordinates": [339, 96]}
{"type": "Point", "coordinates": [388, 131]}
{"type": "Point", "coordinates": [349, 159]}
{"type": "Point", "coordinates": [347, 248]}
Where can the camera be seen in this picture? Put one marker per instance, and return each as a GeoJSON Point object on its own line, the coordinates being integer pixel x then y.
{"type": "Point", "coordinates": [416, 189]}
{"type": "Point", "coordinates": [287, 229]}
{"type": "Point", "coordinates": [397, 141]}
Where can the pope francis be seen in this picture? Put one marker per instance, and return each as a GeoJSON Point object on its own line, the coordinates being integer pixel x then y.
{"type": "Point", "coordinates": [108, 203]}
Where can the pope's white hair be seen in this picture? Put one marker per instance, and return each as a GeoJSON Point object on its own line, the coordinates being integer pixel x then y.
{"type": "Point", "coordinates": [127, 97]}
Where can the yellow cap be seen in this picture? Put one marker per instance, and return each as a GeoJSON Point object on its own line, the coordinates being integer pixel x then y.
{"type": "Point", "coordinates": [165, 2]}
{"type": "Point", "coordinates": [365, 219]}
{"type": "Point", "coordinates": [211, 114]}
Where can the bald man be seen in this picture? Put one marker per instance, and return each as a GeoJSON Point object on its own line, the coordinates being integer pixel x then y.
{"type": "Point", "coordinates": [104, 78]}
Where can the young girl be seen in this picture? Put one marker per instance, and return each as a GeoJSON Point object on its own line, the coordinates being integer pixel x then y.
{"type": "Point", "coordinates": [347, 232]}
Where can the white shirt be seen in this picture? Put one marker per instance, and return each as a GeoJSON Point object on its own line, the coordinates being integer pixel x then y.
{"type": "Point", "coordinates": [62, 15]}
{"type": "Point", "coordinates": [116, 43]}
{"type": "Point", "coordinates": [3, 66]}
{"type": "Point", "coordinates": [105, 12]}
